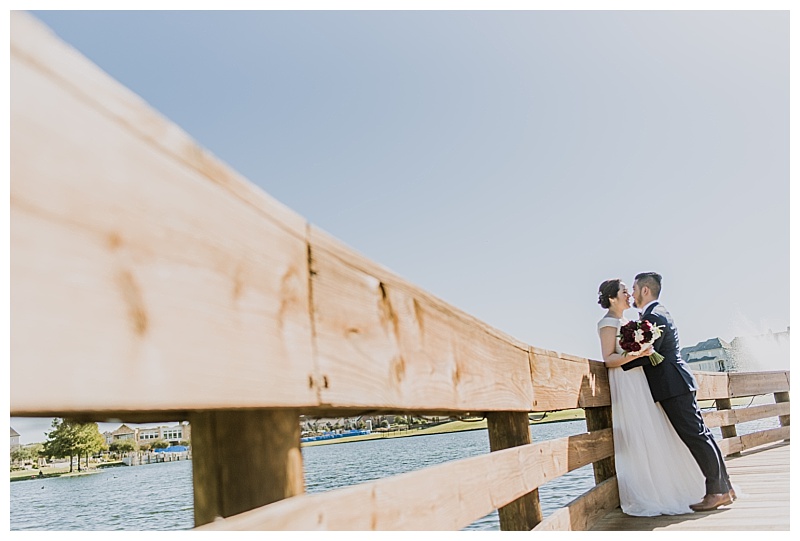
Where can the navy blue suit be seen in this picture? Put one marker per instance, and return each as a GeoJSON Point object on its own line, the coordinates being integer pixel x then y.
{"type": "Point", "coordinates": [673, 385]}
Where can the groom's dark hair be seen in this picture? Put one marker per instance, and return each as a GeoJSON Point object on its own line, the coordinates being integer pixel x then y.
{"type": "Point", "coordinates": [650, 279]}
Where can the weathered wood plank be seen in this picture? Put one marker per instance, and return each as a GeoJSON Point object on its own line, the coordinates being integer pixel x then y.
{"type": "Point", "coordinates": [103, 288]}
{"type": "Point", "coordinates": [764, 437]}
{"type": "Point", "coordinates": [730, 446]}
{"type": "Point", "coordinates": [711, 385]}
{"type": "Point", "coordinates": [506, 430]}
{"type": "Point", "coordinates": [561, 382]}
{"type": "Point", "coordinates": [754, 383]}
{"type": "Point", "coordinates": [242, 460]}
{"type": "Point", "coordinates": [445, 497]}
{"type": "Point", "coordinates": [583, 512]}
{"type": "Point", "coordinates": [743, 415]}
{"type": "Point", "coordinates": [380, 341]}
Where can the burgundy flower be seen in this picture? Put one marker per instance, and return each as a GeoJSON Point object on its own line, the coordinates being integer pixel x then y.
{"type": "Point", "coordinates": [628, 331]}
{"type": "Point", "coordinates": [628, 342]}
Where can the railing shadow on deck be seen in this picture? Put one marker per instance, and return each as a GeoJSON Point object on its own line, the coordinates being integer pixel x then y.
{"type": "Point", "coordinates": [188, 293]}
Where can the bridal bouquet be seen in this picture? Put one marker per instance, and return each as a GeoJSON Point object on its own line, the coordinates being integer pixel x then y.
{"type": "Point", "coordinates": [637, 335]}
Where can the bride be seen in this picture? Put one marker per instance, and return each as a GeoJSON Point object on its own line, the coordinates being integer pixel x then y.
{"type": "Point", "coordinates": [656, 473]}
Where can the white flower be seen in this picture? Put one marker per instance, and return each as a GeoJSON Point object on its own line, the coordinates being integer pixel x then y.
{"type": "Point", "coordinates": [639, 336]}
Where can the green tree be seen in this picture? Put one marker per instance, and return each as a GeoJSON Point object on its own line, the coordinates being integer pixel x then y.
{"type": "Point", "coordinates": [89, 441]}
{"type": "Point", "coordinates": [20, 454]}
{"type": "Point", "coordinates": [62, 441]}
{"type": "Point", "coordinates": [35, 451]}
{"type": "Point", "coordinates": [122, 446]}
{"type": "Point", "coordinates": [185, 443]}
{"type": "Point", "coordinates": [160, 444]}
{"type": "Point", "coordinates": [71, 438]}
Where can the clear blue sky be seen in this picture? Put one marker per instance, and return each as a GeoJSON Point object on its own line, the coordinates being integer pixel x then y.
{"type": "Point", "coordinates": [507, 162]}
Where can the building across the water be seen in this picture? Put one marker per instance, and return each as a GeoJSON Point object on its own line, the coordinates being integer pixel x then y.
{"type": "Point", "coordinates": [712, 355]}
{"type": "Point", "coordinates": [173, 435]}
{"type": "Point", "coordinates": [743, 353]}
{"type": "Point", "coordinates": [14, 438]}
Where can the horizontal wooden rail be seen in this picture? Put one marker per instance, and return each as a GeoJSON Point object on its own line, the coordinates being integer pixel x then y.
{"type": "Point", "coordinates": [752, 383]}
{"type": "Point", "coordinates": [444, 497]}
{"type": "Point", "coordinates": [738, 444]}
{"type": "Point", "coordinates": [714, 385]}
{"type": "Point", "coordinates": [723, 387]}
{"type": "Point", "coordinates": [743, 415]}
{"type": "Point", "coordinates": [581, 513]}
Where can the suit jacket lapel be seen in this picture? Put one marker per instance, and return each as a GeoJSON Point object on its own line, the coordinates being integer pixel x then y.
{"type": "Point", "coordinates": [650, 309]}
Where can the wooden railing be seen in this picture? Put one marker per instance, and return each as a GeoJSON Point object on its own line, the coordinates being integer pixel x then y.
{"type": "Point", "coordinates": [723, 387]}
{"type": "Point", "coordinates": [150, 282]}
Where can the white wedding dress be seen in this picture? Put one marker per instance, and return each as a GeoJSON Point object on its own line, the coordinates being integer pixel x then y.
{"type": "Point", "coordinates": [656, 473]}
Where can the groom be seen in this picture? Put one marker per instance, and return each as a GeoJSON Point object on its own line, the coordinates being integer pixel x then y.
{"type": "Point", "coordinates": [673, 385]}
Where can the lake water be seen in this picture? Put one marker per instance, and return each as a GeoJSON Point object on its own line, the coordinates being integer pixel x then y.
{"type": "Point", "coordinates": [159, 496]}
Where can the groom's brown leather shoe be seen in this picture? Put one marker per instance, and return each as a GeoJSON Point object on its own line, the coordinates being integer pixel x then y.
{"type": "Point", "coordinates": [712, 501]}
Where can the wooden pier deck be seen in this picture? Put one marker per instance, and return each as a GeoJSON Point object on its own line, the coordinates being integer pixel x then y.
{"type": "Point", "coordinates": [762, 477]}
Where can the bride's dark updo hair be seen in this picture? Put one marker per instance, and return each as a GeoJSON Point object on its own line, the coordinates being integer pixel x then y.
{"type": "Point", "coordinates": [608, 290]}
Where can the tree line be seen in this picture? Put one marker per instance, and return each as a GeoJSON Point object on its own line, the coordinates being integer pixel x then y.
{"type": "Point", "coordinates": [69, 439]}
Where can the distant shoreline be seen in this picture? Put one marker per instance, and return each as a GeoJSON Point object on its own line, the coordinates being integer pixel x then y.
{"type": "Point", "coordinates": [51, 475]}
{"type": "Point", "coordinates": [576, 414]}
{"type": "Point", "coordinates": [448, 428]}
{"type": "Point", "coordinates": [50, 472]}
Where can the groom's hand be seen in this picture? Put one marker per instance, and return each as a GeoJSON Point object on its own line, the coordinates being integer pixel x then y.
{"type": "Point", "coordinates": [638, 361]}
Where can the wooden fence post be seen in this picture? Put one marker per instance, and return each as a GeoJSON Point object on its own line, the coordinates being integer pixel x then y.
{"type": "Point", "coordinates": [782, 397]}
{"type": "Point", "coordinates": [598, 418]}
{"type": "Point", "coordinates": [512, 429]}
{"type": "Point", "coordinates": [243, 459]}
{"type": "Point", "coordinates": [728, 431]}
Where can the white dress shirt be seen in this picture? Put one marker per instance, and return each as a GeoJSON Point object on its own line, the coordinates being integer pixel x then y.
{"type": "Point", "coordinates": [646, 306]}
